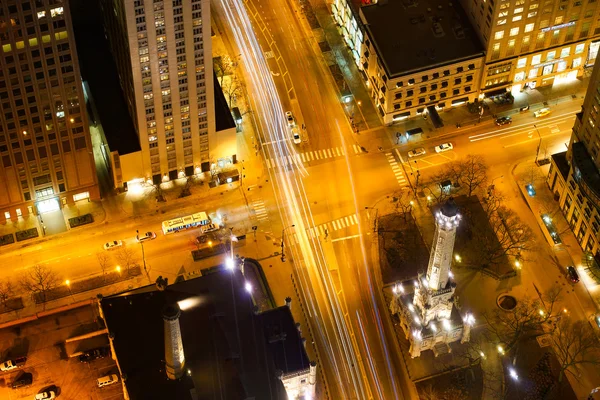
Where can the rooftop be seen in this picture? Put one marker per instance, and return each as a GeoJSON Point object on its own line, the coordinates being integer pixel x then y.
{"type": "Point", "coordinates": [417, 35]}
{"type": "Point", "coordinates": [219, 367]}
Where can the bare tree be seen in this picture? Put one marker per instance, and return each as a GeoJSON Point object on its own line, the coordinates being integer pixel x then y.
{"type": "Point", "coordinates": [126, 258]}
{"type": "Point", "coordinates": [474, 173]}
{"type": "Point", "coordinates": [6, 291]}
{"type": "Point", "coordinates": [575, 344]}
{"type": "Point", "coordinates": [39, 280]}
{"type": "Point", "coordinates": [507, 328]}
{"type": "Point", "coordinates": [103, 261]}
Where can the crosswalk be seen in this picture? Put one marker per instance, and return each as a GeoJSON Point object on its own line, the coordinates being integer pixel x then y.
{"type": "Point", "coordinates": [308, 156]}
{"type": "Point", "coordinates": [396, 169]}
{"type": "Point", "coordinates": [260, 210]}
{"type": "Point", "coordinates": [332, 226]}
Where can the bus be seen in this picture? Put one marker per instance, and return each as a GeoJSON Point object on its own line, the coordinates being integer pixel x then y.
{"type": "Point", "coordinates": [188, 222]}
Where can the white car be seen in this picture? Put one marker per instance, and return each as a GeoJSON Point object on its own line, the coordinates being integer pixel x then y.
{"type": "Point", "coordinates": [443, 147]}
{"type": "Point", "coordinates": [45, 395]}
{"type": "Point", "coordinates": [146, 236]}
{"type": "Point", "coordinates": [419, 151]}
{"type": "Point", "coordinates": [209, 228]}
{"type": "Point", "coordinates": [113, 244]}
{"type": "Point", "coordinates": [296, 136]}
{"type": "Point", "coordinates": [290, 118]}
{"type": "Point", "coordinates": [542, 112]}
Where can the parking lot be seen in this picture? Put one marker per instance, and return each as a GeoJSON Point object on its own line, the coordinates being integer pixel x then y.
{"type": "Point", "coordinates": [43, 343]}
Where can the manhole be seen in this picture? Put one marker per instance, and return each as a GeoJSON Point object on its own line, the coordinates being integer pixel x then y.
{"type": "Point", "coordinates": [506, 302]}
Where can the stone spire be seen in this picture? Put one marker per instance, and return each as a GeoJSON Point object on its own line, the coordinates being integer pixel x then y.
{"type": "Point", "coordinates": [440, 260]}
{"type": "Point", "coordinates": [174, 357]}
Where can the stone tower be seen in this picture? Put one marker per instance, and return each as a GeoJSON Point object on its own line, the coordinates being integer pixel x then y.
{"type": "Point", "coordinates": [434, 292]}
{"type": "Point", "coordinates": [174, 357]}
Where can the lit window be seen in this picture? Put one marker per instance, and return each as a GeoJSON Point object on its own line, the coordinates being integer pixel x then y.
{"type": "Point", "coordinates": [514, 31]}
{"type": "Point", "coordinates": [166, 92]}
{"type": "Point", "coordinates": [60, 114]}
{"type": "Point", "coordinates": [529, 27]}
{"type": "Point", "coordinates": [511, 43]}
{"type": "Point", "coordinates": [152, 138]}
{"type": "Point", "coordinates": [144, 59]}
{"type": "Point", "coordinates": [533, 6]}
{"type": "Point", "coordinates": [520, 76]}
{"type": "Point", "coordinates": [535, 60]}
{"type": "Point", "coordinates": [558, 20]}
{"type": "Point", "coordinates": [502, 14]}
{"type": "Point", "coordinates": [41, 14]}
{"type": "Point", "coordinates": [148, 96]}
{"type": "Point", "coordinates": [576, 62]}
{"type": "Point", "coordinates": [522, 62]}
{"type": "Point", "coordinates": [499, 35]}
{"type": "Point", "coordinates": [517, 18]}
{"type": "Point", "coordinates": [518, 10]}
{"type": "Point", "coordinates": [533, 73]}
{"type": "Point", "coordinates": [579, 48]}
{"type": "Point", "coordinates": [56, 11]}
{"type": "Point", "coordinates": [551, 55]}
{"type": "Point", "coordinates": [161, 39]}
{"type": "Point", "coordinates": [164, 77]}
{"type": "Point", "coordinates": [501, 21]}
{"type": "Point", "coordinates": [532, 14]}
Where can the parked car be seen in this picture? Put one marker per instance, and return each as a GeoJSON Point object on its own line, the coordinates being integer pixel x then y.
{"type": "Point", "coordinates": [542, 112]}
{"type": "Point", "coordinates": [146, 236]}
{"type": "Point", "coordinates": [47, 395]}
{"type": "Point", "coordinates": [94, 354]}
{"type": "Point", "coordinates": [113, 244]}
{"type": "Point", "coordinates": [25, 379]}
{"type": "Point", "coordinates": [296, 136]}
{"type": "Point", "coordinates": [107, 380]}
{"type": "Point", "coordinates": [290, 118]}
{"type": "Point", "coordinates": [503, 121]}
{"type": "Point", "coordinates": [572, 273]}
{"type": "Point", "coordinates": [209, 228]}
{"type": "Point", "coordinates": [524, 108]}
{"type": "Point", "coordinates": [419, 151]}
{"type": "Point", "coordinates": [12, 364]}
{"type": "Point", "coordinates": [443, 147]}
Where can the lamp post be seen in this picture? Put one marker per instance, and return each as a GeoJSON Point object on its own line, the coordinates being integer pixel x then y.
{"type": "Point", "coordinates": [375, 219]}
{"type": "Point", "coordinates": [143, 254]}
{"type": "Point", "coordinates": [68, 283]}
{"type": "Point", "coordinates": [282, 242]}
{"type": "Point", "coordinates": [539, 144]}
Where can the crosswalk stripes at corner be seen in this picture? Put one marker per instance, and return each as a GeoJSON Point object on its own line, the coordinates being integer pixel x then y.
{"type": "Point", "coordinates": [396, 169]}
{"type": "Point", "coordinates": [260, 211]}
{"type": "Point", "coordinates": [332, 226]}
{"type": "Point", "coordinates": [308, 156]}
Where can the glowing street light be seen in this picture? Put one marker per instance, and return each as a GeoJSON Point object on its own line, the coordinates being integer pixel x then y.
{"type": "Point", "coordinates": [229, 263]}
{"type": "Point", "coordinates": [68, 283]}
{"type": "Point", "coordinates": [513, 374]}
{"type": "Point", "coordinates": [248, 287]}
{"type": "Point", "coordinates": [118, 269]}
{"type": "Point", "coordinates": [500, 350]}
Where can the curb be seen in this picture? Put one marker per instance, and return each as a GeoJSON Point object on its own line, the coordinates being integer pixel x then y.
{"type": "Point", "coordinates": [46, 313]}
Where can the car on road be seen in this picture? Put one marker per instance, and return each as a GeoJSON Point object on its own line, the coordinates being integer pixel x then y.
{"type": "Point", "coordinates": [503, 121]}
{"type": "Point", "coordinates": [209, 228]}
{"type": "Point", "coordinates": [146, 236]}
{"type": "Point", "coordinates": [572, 273]}
{"type": "Point", "coordinates": [296, 136]}
{"type": "Point", "coordinates": [47, 395]}
{"type": "Point", "coordinates": [419, 151]}
{"type": "Point", "coordinates": [290, 118]}
{"type": "Point", "coordinates": [542, 112]}
{"type": "Point", "coordinates": [112, 245]}
{"type": "Point", "coordinates": [107, 380]}
{"type": "Point", "coordinates": [94, 354]}
{"type": "Point", "coordinates": [443, 147]}
{"type": "Point", "coordinates": [13, 363]}
{"type": "Point", "coordinates": [25, 379]}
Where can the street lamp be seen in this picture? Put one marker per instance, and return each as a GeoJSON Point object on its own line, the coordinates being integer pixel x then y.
{"type": "Point", "coordinates": [68, 283]}
{"type": "Point", "coordinates": [282, 242]}
{"type": "Point", "coordinates": [118, 269]}
{"type": "Point", "coordinates": [539, 144]}
{"type": "Point", "coordinates": [142, 244]}
{"type": "Point", "coordinates": [375, 219]}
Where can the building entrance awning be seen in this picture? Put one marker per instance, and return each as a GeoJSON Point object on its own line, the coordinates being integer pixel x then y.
{"type": "Point", "coordinates": [495, 92]}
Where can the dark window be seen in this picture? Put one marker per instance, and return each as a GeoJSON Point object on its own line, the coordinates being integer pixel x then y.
{"type": "Point", "coordinates": [460, 69]}
{"type": "Point", "coordinates": [6, 161]}
{"type": "Point", "coordinates": [421, 100]}
{"type": "Point", "coordinates": [80, 143]}
{"type": "Point", "coordinates": [467, 88]}
{"type": "Point", "coordinates": [19, 158]}
{"type": "Point", "coordinates": [61, 187]}
{"type": "Point", "coordinates": [30, 155]}
{"type": "Point", "coordinates": [411, 81]}
{"type": "Point", "coordinates": [443, 95]}
{"type": "Point", "coordinates": [469, 78]}
{"type": "Point", "coordinates": [59, 175]}
{"type": "Point", "coordinates": [400, 84]}
{"type": "Point", "coordinates": [27, 196]}
{"type": "Point", "coordinates": [54, 149]}
{"type": "Point", "coordinates": [42, 152]}
{"type": "Point", "coordinates": [409, 92]}
{"type": "Point", "coordinates": [455, 92]}
{"type": "Point", "coordinates": [422, 89]}
{"type": "Point", "coordinates": [434, 86]}
{"type": "Point", "coordinates": [408, 103]}
{"type": "Point", "coordinates": [432, 97]}
{"type": "Point", "coordinates": [447, 72]}
{"type": "Point", "coordinates": [445, 84]}
{"type": "Point", "coordinates": [436, 75]}
{"type": "Point", "coordinates": [457, 81]}
{"type": "Point", "coordinates": [425, 78]}
{"type": "Point", "coordinates": [471, 66]}
{"type": "Point", "coordinates": [398, 96]}
{"type": "Point", "coordinates": [66, 146]}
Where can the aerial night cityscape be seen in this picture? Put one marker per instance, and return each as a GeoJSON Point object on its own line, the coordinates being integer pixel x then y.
{"type": "Point", "coordinates": [299, 199]}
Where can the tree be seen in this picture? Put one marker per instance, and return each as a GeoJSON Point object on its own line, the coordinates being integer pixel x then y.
{"type": "Point", "coordinates": [6, 291]}
{"type": "Point", "coordinates": [508, 327]}
{"type": "Point", "coordinates": [39, 280]}
{"type": "Point", "coordinates": [474, 173]}
{"type": "Point", "coordinates": [126, 258]}
{"type": "Point", "coordinates": [103, 261]}
{"type": "Point", "coordinates": [575, 344]}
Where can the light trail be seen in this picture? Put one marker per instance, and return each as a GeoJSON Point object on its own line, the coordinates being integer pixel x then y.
{"type": "Point", "coordinates": [370, 357]}
{"type": "Point", "coordinates": [293, 202]}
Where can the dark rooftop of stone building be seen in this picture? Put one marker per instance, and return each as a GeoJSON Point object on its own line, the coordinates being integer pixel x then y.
{"type": "Point", "coordinates": [416, 35]}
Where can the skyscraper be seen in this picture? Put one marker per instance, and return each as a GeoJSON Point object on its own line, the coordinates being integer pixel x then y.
{"type": "Point", "coordinates": [532, 43]}
{"type": "Point", "coordinates": [574, 175]}
{"type": "Point", "coordinates": [45, 146]}
{"type": "Point", "coordinates": [163, 55]}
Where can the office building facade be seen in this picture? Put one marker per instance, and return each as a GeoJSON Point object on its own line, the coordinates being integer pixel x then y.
{"type": "Point", "coordinates": [163, 55]}
{"type": "Point", "coordinates": [45, 145]}
{"type": "Point", "coordinates": [574, 176]}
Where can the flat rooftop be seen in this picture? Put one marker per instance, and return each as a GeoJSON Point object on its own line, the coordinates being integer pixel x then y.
{"type": "Point", "coordinates": [415, 35]}
{"type": "Point", "coordinates": [221, 313]}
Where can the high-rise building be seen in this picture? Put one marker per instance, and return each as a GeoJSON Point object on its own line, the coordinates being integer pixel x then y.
{"type": "Point", "coordinates": [532, 43]}
{"type": "Point", "coordinates": [574, 175]}
{"type": "Point", "coordinates": [45, 145]}
{"type": "Point", "coordinates": [163, 55]}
